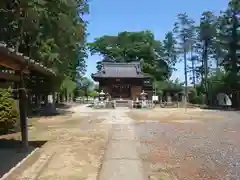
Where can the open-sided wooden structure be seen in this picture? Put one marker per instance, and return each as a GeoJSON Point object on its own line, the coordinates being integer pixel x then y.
{"type": "Point", "coordinates": [16, 67]}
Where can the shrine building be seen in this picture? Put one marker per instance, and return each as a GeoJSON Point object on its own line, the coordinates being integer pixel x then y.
{"type": "Point", "coordinates": [123, 80]}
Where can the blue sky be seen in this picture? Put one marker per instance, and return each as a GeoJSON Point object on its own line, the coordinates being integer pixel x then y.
{"type": "Point", "coordinates": [108, 17]}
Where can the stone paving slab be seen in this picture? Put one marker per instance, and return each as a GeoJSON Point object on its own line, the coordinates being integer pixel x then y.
{"type": "Point", "coordinates": [122, 170]}
{"type": "Point", "coordinates": [123, 134]}
{"type": "Point", "coordinates": [122, 149]}
{"type": "Point", "coordinates": [122, 161]}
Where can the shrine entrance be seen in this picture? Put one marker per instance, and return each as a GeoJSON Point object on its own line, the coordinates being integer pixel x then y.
{"type": "Point", "coordinates": [123, 80]}
{"type": "Point", "coordinates": [121, 91]}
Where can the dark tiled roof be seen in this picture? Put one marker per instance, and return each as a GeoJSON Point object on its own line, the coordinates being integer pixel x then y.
{"type": "Point", "coordinates": [32, 64]}
{"type": "Point", "coordinates": [120, 70]}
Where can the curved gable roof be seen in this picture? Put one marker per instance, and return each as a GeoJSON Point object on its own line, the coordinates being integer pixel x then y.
{"type": "Point", "coordinates": [120, 70]}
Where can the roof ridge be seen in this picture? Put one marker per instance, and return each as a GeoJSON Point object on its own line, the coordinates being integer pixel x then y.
{"type": "Point", "coordinates": [122, 63]}
{"type": "Point", "coordinates": [24, 59]}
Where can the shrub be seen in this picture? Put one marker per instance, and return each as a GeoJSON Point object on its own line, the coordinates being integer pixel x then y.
{"type": "Point", "coordinates": [9, 115]}
{"type": "Point", "coordinates": [198, 99]}
{"type": "Point", "coordinates": [194, 98]}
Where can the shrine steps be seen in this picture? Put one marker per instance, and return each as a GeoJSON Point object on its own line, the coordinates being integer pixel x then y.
{"type": "Point", "coordinates": [123, 103]}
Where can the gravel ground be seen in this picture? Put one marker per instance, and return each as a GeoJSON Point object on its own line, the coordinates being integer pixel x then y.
{"type": "Point", "coordinates": [206, 149]}
{"type": "Point", "coordinates": [75, 147]}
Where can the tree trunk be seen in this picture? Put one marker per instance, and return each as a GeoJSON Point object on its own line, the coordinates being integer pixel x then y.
{"type": "Point", "coordinates": [234, 63]}
{"type": "Point", "coordinates": [185, 74]}
{"type": "Point", "coordinates": [193, 69]}
{"type": "Point", "coordinates": [86, 94]}
{"type": "Point", "coordinates": [65, 95]}
{"type": "Point", "coordinates": [205, 61]}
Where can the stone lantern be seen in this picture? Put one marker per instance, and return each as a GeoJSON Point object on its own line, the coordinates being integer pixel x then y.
{"type": "Point", "coordinates": [143, 95]}
{"type": "Point", "coordinates": [101, 95]}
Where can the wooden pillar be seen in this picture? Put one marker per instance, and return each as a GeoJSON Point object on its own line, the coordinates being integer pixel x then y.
{"type": "Point", "coordinates": [61, 97]}
{"type": "Point", "coordinates": [29, 103]}
{"type": "Point", "coordinates": [39, 101]}
{"type": "Point", "coordinates": [23, 110]}
{"type": "Point", "coordinates": [58, 98]}
{"type": "Point", "coordinates": [45, 99]}
{"type": "Point", "coordinates": [65, 95]}
{"type": "Point", "coordinates": [54, 99]}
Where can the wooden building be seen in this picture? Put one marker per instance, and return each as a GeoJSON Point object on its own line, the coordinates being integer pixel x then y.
{"type": "Point", "coordinates": [123, 80]}
{"type": "Point", "coordinates": [17, 71]}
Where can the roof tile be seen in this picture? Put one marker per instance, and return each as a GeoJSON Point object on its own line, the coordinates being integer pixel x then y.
{"type": "Point", "coordinates": [121, 70]}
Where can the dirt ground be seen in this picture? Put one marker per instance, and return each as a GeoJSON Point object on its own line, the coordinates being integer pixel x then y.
{"type": "Point", "coordinates": [174, 144]}
{"type": "Point", "coordinates": [74, 149]}
{"type": "Point", "coordinates": [174, 114]}
{"type": "Point", "coordinates": [197, 144]}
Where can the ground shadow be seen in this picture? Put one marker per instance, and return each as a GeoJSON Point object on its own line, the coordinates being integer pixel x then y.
{"type": "Point", "coordinates": [11, 153]}
{"type": "Point", "coordinates": [47, 111]}
{"type": "Point", "coordinates": [220, 108]}
{"type": "Point", "coordinates": [63, 105]}
{"type": "Point", "coordinates": [202, 106]}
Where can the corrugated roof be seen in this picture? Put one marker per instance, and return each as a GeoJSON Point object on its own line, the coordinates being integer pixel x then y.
{"type": "Point", "coordinates": [120, 70]}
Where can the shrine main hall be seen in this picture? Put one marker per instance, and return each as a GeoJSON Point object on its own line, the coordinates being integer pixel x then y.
{"type": "Point", "coordinates": [123, 80]}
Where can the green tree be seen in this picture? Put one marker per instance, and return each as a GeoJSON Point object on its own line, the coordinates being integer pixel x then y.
{"type": "Point", "coordinates": [207, 33]}
{"type": "Point", "coordinates": [9, 115]}
{"type": "Point", "coordinates": [86, 85]}
{"type": "Point", "coordinates": [185, 29]}
{"type": "Point", "coordinates": [51, 32]}
{"type": "Point", "coordinates": [229, 37]}
{"type": "Point", "coordinates": [134, 46]}
{"type": "Point", "coordinates": [170, 50]}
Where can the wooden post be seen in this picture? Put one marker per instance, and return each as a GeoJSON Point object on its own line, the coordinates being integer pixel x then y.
{"type": "Point", "coordinates": [23, 110]}
{"type": "Point", "coordinates": [45, 99]}
{"type": "Point", "coordinates": [29, 103]}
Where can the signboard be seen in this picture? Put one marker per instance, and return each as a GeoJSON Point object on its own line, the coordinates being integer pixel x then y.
{"type": "Point", "coordinates": [50, 98]}
{"type": "Point", "coordinates": [155, 98]}
{"type": "Point", "coordinates": [147, 82]}
{"type": "Point", "coordinates": [122, 86]}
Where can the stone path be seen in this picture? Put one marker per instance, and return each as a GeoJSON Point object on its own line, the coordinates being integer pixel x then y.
{"type": "Point", "coordinates": [122, 161]}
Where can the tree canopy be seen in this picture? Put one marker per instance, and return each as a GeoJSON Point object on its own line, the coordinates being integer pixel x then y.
{"type": "Point", "coordinates": [54, 33]}
{"type": "Point", "coordinates": [136, 46]}
{"type": "Point", "coordinates": [211, 46]}
{"type": "Point", "coordinates": [50, 32]}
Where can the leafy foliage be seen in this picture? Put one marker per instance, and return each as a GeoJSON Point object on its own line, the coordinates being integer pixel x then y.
{"type": "Point", "coordinates": [185, 30]}
{"type": "Point", "coordinates": [213, 48]}
{"type": "Point", "coordinates": [134, 46]}
{"type": "Point", "coordinates": [170, 50]}
{"type": "Point", "coordinates": [71, 85]}
{"type": "Point", "coordinates": [86, 86]}
{"type": "Point", "coordinates": [195, 97]}
{"type": "Point", "coordinates": [51, 32]}
{"type": "Point", "coordinates": [9, 115]}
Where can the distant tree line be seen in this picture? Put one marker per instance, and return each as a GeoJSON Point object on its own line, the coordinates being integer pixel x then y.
{"type": "Point", "coordinates": [210, 51]}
